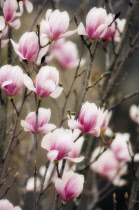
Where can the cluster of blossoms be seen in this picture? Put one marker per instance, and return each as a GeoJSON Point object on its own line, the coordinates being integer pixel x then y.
{"type": "Point", "coordinates": [61, 144]}
{"type": "Point", "coordinates": [111, 163]}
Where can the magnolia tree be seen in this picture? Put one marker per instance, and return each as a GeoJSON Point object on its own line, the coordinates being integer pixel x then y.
{"type": "Point", "coordinates": [57, 147]}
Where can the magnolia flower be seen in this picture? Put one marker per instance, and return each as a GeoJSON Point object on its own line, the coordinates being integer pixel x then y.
{"type": "Point", "coordinates": [96, 24]}
{"type": "Point", "coordinates": [106, 165]}
{"type": "Point", "coordinates": [55, 25]}
{"type": "Point", "coordinates": [44, 126]}
{"type": "Point", "coordinates": [65, 53]}
{"type": "Point", "coordinates": [89, 121]}
{"type": "Point", "coordinates": [28, 46]}
{"type": "Point", "coordinates": [6, 205]}
{"type": "Point", "coordinates": [10, 14]}
{"type": "Point", "coordinates": [134, 113]}
{"type": "Point", "coordinates": [121, 147]}
{"type": "Point", "coordinates": [11, 79]}
{"type": "Point", "coordinates": [28, 5]}
{"type": "Point", "coordinates": [70, 186]}
{"type": "Point", "coordinates": [58, 144]}
{"type": "Point", "coordinates": [47, 81]}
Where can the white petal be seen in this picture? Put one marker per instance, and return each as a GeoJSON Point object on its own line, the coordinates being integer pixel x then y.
{"type": "Point", "coordinates": [56, 92]}
{"type": "Point", "coordinates": [81, 29]}
{"type": "Point", "coordinates": [74, 160]}
{"type": "Point", "coordinates": [29, 83]}
{"type": "Point", "coordinates": [52, 155]}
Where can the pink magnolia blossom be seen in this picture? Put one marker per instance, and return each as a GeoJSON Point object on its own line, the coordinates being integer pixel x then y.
{"type": "Point", "coordinates": [47, 81]}
{"type": "Point", "coordinates": [6, 205]}
{"type": "Point", "coordinates": [134, 113]}
{"type": "Point", "coordinates": [56, 25]}
{"type": "Point", "coordinates": [28, 46]}
{"type": "Point", "coordinates": [106, 165]}
{"type": "Point", "coordinates": [11, 79]}
{"type": "Point", "coordinates": [70, 186]}
{"type": "Point", "coordinates": [96, 24]}
{"type": "Point", "coordinates": [10, 14]}
{"type": "Point", "coordinates": [89, 120]}
{"type": "Point", "coordinates": [58, 144]}
{"type": "Point", "coordinates": [44, 126]}
{"type": "Point", "coordinates": [28, 5]}
{"type": "Point", "coordinates": [65, 53]}
{"type": "Point", "coordinates": [121, 147]}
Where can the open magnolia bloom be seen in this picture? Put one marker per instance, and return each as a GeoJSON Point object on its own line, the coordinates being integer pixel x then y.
{"type": "Point", "coordinates": [70, 186]}
{"type": "Point", "coordinates": [29, 124]}
{"type": "Point", "coordinates": [65, 53]}
{"type": "Point", "coordinates": [55, 25]}
{"type": "Point", "coordinates": [96, 24]}
{"type": "Point", "coordinates": [89, 121]}
{"type": "Point", "coordinates": [11, 79]}
{"type": "Point", "coordinates": [58, 144]}
{"type": "Point", "coordinates": [47, 82]}
{"type": "Point", "coordinates": [28, 46]}
{"type": "Point", "coordinates": [10, 14]}
{"type": "Point", "coordinates": [114, 29]}
{"type": "Point", "coordinates": [6, 205]}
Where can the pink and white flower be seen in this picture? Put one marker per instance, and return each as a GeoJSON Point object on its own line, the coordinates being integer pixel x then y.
{"type": "Point", "coordinates": [70, 186]}
{"type": "Point", "coordinates": [6, 205]}
{"type": "Point", "coordinates": [89, 121]}
{"type": "Point", "coordinates": [11, 79]}
{"type": "Point", "coordinates": [10, 14]}
{"type": "Point", "coordinates": [47, 81]}
{"type": "Point", "coordinates": [121, 147]}
{"type": "Point", "coordinates": [106, 165]}
{"type": "Point", "coordinates": [96, 24]}
{"type": "Point", "coordinates": [29, 124]}
{"type": "Point", "coordinates": [58, 143]}
{"type": "Point", "coordinates": [56, 25]}
{"type": "Point", "coordinates": [28, 46]}
{"type": "Point", "coordinates": [65, 53]}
